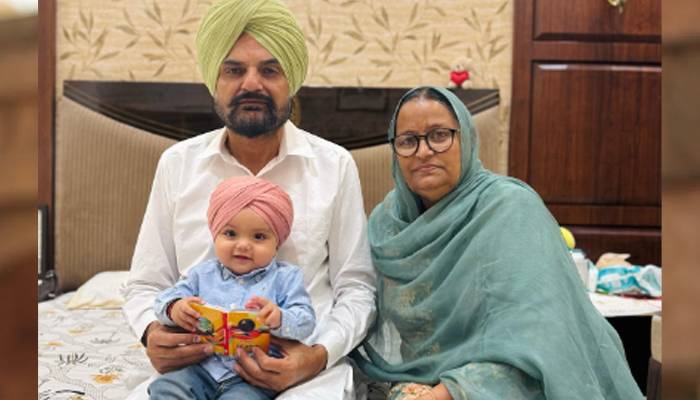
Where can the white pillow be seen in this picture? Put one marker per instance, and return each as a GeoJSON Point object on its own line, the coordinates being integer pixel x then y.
{"type": "Point", "coordinates": [101, 291]}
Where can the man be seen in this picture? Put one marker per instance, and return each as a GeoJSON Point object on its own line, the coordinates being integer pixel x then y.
{"type": "Point", "coordinates": [253, 59]}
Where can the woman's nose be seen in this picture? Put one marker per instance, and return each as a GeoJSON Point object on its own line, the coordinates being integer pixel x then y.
{"type": "Point", "coordinates": [424, 150]}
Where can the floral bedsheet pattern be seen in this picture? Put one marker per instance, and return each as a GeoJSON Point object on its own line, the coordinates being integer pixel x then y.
{"type": "Point", "coordinates": [87, 354]}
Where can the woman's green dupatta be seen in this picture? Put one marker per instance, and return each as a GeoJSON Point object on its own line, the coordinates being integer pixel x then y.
{"type": "Point", "coordinates": [479, 292]}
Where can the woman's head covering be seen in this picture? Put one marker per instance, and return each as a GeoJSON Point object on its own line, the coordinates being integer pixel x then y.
{"type": "Point", "coordinates": [470, 166]}
{"type": "Point", "coordinates": [479, 292]}
{"type": "Point", "coordinates": [268, 21]}
{"type": "Point", "coordinates": [266, 199]}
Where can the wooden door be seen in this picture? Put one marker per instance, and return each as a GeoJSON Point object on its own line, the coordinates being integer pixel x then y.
{"type": "Point", "coordinates": [586, 119]}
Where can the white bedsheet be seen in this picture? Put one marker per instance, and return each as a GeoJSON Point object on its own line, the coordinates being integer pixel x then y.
{"type": "Point", "coordinates": [92, 355]}
{"type": "Point", "coordinates": [87, 354]}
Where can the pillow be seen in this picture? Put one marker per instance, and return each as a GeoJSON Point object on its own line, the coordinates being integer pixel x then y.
{"type": "Point", "coordinates": [101, 291]}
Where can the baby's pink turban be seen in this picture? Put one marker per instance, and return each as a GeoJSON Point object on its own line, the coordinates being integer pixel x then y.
{"type": "Point", "coordinates": [266, 199]}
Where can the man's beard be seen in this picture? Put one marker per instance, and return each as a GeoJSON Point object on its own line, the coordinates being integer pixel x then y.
{"type": "Point", "coordinates": [237, 120]}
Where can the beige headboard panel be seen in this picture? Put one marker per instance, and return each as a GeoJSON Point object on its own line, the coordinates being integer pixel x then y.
{"type": "Point", "coordinates": [103, 175]}
{"type": "Point", "coordinates": [374, 163]}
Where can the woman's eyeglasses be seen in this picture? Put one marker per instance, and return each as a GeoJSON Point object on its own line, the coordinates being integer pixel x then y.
{"type": "Point", "coordinates": [438, 140]}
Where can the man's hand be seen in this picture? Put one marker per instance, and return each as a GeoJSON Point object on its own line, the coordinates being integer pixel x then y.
{"type": "Point", "coordinates": [300, 363]}
{"type": "Point", "coordinates": [169, 350]}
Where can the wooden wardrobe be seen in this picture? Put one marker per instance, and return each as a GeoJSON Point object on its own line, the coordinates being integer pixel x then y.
{"type": "Point", "coordinates": [586, 119]}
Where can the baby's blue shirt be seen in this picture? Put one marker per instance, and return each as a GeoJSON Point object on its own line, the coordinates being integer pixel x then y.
{"type": "Point", "coordinates": [279, 281]}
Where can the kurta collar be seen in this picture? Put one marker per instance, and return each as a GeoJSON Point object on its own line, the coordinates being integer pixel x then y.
{"type": "Point", "coordinates": [294, 143]}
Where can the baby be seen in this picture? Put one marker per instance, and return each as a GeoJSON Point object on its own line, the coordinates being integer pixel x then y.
{"type": "Point", "coordinates": [249, 219]}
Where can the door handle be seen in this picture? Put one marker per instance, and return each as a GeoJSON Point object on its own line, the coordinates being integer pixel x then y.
{"type": "Point", "coordinates": [619, 4]}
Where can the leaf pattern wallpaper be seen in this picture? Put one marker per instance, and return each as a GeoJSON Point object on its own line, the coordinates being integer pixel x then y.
{"type": "Point", "coordinates": [358, 43]}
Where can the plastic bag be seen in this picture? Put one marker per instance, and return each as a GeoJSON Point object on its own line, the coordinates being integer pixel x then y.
{"type": "Point", "coordinates": [630, 280]}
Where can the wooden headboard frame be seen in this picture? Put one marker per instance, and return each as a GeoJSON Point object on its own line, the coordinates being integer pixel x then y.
{"type": "Point", "coordinates": [350, 117]}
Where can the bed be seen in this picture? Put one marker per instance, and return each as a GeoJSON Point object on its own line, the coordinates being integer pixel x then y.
{"type": "Point", "coordinates": [108, 137]}
{"type": "Point", "coordinates": [87, 354]}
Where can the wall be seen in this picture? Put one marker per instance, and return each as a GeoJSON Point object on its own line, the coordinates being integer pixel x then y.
{"type": "Point", "coordinates": [366, 43]}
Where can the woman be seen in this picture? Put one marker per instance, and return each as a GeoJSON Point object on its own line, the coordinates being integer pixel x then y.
{"type": "Point", "coordinates": [478, 297]}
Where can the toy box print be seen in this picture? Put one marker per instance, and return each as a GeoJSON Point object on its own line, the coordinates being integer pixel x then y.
{"type": "Point", "coordinates": [228, 330]}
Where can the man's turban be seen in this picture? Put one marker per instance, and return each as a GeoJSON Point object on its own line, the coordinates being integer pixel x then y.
{"type": "Point", "coordinates": [266, 199]}
{"type": "Point", "coordinates": [269, 22]}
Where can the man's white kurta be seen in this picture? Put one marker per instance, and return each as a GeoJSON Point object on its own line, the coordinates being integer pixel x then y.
{"type": "Point", "coordinates": [328, 240]}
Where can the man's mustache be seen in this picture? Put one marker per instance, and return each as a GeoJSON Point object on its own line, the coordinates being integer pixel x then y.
{"type": "Point", "coordinates": [236, 101]}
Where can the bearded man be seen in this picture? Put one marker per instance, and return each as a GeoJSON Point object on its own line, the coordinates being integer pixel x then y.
{"type": "Point", "coordinates": [253, 59]}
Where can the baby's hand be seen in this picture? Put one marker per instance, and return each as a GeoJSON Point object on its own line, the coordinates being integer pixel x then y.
{"type": "Point", "coordinates": [268, 312]}
{"type": "Point", "coordinates": [184, 315]}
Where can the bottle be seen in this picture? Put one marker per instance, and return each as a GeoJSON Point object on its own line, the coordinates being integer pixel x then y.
{"type": "Point", "coordinates": [581, 265]}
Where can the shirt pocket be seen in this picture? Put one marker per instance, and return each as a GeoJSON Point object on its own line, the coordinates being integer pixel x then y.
{"type": "Point", "coordinates": [313, 215]}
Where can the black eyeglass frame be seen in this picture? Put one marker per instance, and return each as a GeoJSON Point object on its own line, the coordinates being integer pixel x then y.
{"type": "Point", "coordinates": [427, 142]}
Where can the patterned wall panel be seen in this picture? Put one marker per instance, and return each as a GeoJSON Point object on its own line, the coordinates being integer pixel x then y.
{"type": "Point", "coordinates": [367, 43]}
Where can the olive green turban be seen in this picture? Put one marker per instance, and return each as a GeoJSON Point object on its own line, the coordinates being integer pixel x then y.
{"type": "Point", "coordinates": [269, 22]}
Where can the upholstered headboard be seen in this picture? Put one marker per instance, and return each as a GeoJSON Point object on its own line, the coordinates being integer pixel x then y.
{"type": "Point", "coordinates": [103, 173]}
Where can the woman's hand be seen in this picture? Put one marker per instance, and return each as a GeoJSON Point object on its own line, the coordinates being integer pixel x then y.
{"type": "Point", "coordinates": [417, 391]}
{"type": "Point", "coordinates": [300, 363]}
{"type": "Point", "coordinates": [438, 392]}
